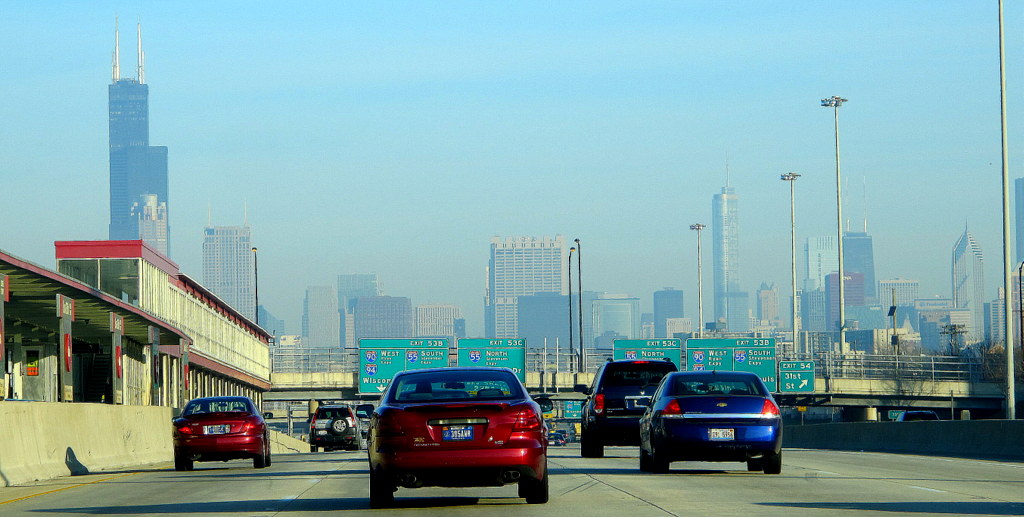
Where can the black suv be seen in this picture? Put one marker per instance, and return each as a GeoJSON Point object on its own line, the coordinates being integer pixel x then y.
{"type": "Point", "coordinates": [615, 403]}
{"type": "Point", "coordinates": [334, 426]}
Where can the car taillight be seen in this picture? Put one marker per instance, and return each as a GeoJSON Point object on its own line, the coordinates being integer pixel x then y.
{"type": "Point", "coordinates": [246, 427]}
{"type": "Point", "coordinates": [184, 429]}
{"type": "Point", "coordinates": [599, 403]}
{"type": "Point", "coordinates": [527, 420]}
{"type": "Point", "coordinates": [769, 410]}
{"type": "Point", "coordinates": [672, 408]}
{"type": "Point", "coordinates": [389, 425]}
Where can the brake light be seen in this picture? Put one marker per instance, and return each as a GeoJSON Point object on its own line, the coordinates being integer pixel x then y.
{"type": "Point", "coordinates": [185, 429]}
{"type": "Point", "coordinates": [599, 403]}
{"type": "Point", "coordinates": [672, 408]}
{"type": "Point", "coordinates": [769, 410]}
{"type": "Point", "coordinates": [246, 427]}
{"type": "Point", "coordinates": [388, 424]}
{"type": "Point", "coordinates": [527, 420]}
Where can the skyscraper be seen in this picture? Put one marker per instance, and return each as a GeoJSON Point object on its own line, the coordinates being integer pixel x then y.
{"type": "Point", "coordinates": [1018, 220]}
{"type": "Point", "coordinates": [616, 315]}
{"type": "Point", "coordinates": [906, 291]}
{"type": "Point", "coordinates": [350, 288]}
{"type": "Point", "coordinates": [731, 304]}
{"type": "Point", "coordinates": [320, 327]}
{"type": "Point", "coordinates": [436, 320]}
{"type": "Point", "coordinates": [521, 266]}
{"type": "Point", "coordinates": [768, 304]}
{"type": "Point", "coordinates": [859, 257]}
{"type": "Point", "coordinates": [137, 169]}
{"type": "Point", "coordinates": [854, 296]}
{"type": "Point", "coordinates": [383, 316]}
{"type": "Point", "coordinates": [228, 267]}
{"type": "Point", "coordinates": [152, 217]}
{"type": "Point", "coordinates": [820, 258]}
{"type": "Point", "coordinates": [968, 278]}
{"type": "Point", "coordinates": [668, 303]}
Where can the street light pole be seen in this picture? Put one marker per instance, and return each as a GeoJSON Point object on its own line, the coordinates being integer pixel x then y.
{"type": "Point", "coordinates": [1011, 395]}
{"type": "Point", "coordinates": [571, 250]}
{"type": "Point", "coordinates": [579, 294]}
{"type": "Point", "coordinates": [834, 102]}
{"type": "Point", "coordinates": [700, 282]}
{"type": "Point", "coordinates": [791, 178]}
{"type": "Point", "coordinates": [256, 283]}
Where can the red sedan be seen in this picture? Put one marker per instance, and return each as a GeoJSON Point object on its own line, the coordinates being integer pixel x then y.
{"type": "Point", "coordinates": [458, 427]}
{"type": "Point", "coordinates": [220, 429]}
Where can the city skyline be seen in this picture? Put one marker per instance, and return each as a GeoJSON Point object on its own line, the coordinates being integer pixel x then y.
{"type": "Point", "coordinates": [596, 113]}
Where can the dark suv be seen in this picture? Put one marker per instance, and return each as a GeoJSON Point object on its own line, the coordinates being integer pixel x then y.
{"type": "Point", "coordinates": [615, 403]}
{"type": "Point", "coordinates": [334, 426]}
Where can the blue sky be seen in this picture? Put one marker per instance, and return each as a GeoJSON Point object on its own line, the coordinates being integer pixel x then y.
{"type": "Point", "coordinates": [398, 138]}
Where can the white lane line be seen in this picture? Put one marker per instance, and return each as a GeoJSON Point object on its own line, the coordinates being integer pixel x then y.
{"type": "Point", "coordinates": [925, 488]}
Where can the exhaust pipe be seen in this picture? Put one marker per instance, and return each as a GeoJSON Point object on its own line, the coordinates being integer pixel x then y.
{"type": "Point", "coordinates": [510, 475]}
{"type": "Point", "coordinates": [408, 480]}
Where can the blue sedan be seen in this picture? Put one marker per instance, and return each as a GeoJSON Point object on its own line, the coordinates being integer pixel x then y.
{"type": "Point", "coordinates": [711, 416]}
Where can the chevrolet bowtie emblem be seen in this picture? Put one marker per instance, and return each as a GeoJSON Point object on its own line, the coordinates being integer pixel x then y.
{"type": "Point", "coordinates": [722, 404]}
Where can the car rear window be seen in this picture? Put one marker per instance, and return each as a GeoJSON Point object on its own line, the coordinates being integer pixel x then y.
{"type": "Point", "coordinates": [682, 386]}
{"type": "Point", "coordinates": [332, 413]}
{"type": "Point", "coordinates": [454, 386]}
{"type": "Point", "coordinates": [635, 374]}
{"type": "Point", "coordinates": [197, 407]}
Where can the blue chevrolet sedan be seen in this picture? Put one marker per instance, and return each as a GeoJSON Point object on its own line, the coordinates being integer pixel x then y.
{"type": "Point", "coordinates": [711, 416]}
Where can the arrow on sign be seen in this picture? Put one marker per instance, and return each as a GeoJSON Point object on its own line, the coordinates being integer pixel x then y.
{"type": "Point", "coordinates": [803, 383]}
{"type": "Point", "coordinates": [381, 387]}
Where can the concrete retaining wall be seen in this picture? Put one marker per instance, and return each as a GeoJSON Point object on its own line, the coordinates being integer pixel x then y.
{"type": "Point", "coordinates": [40, 440]}
{"type": "Point", "coordinates": [1002, 439]}
{"type": "Point", "coordinates": [281, 443]}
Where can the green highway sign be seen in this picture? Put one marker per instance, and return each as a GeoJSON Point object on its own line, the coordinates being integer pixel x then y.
{"type": "Point", "coordinates": [502, 352]}
{"type": "Point", "coordinates": [649, 349]}
{"type": "Point", "coordinates": [754, 355]}
{"type": "Point", "coordinates": [795, 376]}
{"type": "Point", "coordinates": [380, 359]}
{"type": "Point", "coordinates": [572, 409]}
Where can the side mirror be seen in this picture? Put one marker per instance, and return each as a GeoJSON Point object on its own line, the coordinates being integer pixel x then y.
{"type": "Point", "coordinates": [545, 404]}
{"type": "Point", "coordinates": [268, 415]}
{"type": "Point", "coordinates": [364, 410]}
{"type": "Point", "coordinates": [581, 388]}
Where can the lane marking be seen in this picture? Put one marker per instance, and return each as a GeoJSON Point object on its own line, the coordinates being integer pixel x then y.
{"type": "Point", "coordinates": [925, 488]}
{"type": "Point", "coordinates": [70, 487]}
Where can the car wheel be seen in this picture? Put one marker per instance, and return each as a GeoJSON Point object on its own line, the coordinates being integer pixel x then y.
{"type": "Point", "coordinates": [659, 465]}
{"type": "Point", "coordinates": [535, 491]}
{"type": "Point", "coordinates": [182, 463]}
{"type": "Point", "coordinates": [267, 461]}
{"type": "Point", "coordinates": [754, 465]}
{"type": "Point", "coordinates": [259, 461]}
{"type": "Point", "coordinates": [772, 463]}
{"type": "Point", "coordinates": [312, 448]}
{"type": "Point", "coordinates": [645, 461]}
{"type": "Point", "coordinates": [338, 426]}
{"type": "Point", "coordinates": [591, 447]}
{"type": "Point", "coordinates": [382, 492]}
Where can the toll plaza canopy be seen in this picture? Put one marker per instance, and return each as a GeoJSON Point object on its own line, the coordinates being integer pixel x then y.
{"type": "Point", "coordinates": [120, 324]}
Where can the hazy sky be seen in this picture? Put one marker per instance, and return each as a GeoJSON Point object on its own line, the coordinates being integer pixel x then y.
{"type": "Point", "coordinates": [398, 137]}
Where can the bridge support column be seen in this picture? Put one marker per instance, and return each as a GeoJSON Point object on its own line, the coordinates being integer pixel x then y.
{"type": "Point", "coordinates": [116, 355]}
{"type": "Point", "coordinates": [65, 374]}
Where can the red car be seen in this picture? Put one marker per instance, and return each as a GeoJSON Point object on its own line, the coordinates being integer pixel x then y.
{"type": "Point", "coordinates": [220, 429]}
{"type": "Point", "coordinates": [458, 427]}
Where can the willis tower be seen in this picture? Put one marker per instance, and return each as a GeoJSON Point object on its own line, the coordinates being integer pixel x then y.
{"type": "Point", "coordinates": [138, 171]}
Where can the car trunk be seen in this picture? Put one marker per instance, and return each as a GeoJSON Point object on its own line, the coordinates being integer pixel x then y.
{"type": "Point", "coordinates": [205, 422]}
{"type": "Point", "coordinates": [456, 426]}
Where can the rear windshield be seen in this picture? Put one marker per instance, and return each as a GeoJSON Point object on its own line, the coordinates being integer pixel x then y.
{"type": "Point", "coordinates": [682, 386]}
{"type": "Point", "coordinates": [457, 385]}
{"type": "Point", "coordinates": [198, 407]}
{"type": "Point", "coordinates": [332, 413]}
{"type": "Point", "coordinates": [635, 374]}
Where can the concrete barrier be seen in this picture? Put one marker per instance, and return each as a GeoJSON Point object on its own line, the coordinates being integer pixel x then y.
{"type": "Point", "coordinates": [996, 439]}
{"type": "Point", "coordinates": [40, 440]}
{"type": "Point", "coordinates": [281, 443]}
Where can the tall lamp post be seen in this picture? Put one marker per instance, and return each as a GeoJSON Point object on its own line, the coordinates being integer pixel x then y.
{"type": "Point", "coordinates": [571, 250]}
{"type": "Point", "coordinates": [1011, 395]}
{"type": "Point", "coordinates": [791, 178]}
{"type": "Point", "coordinates": [579, 294]}
{"type": "Point", "coordinates": [700, 281]}
{"type": "Point", "coordinates": [256, 282]}
{"type": "Point", "coordinates": [834, 102]}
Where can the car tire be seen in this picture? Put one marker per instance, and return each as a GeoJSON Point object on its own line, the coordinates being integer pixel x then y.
{"type": "Point", "coordinates": [645, 461]}
{"type": "Point", "coordinates": [382, 493]}
{"type": "Point", "coordinates": [535, 491]}
{"type": "Point", "coordinates": [772, 463]}
{"type": "Point", "coordinates": [338, 426]}
{"type": "Point", "coordinates": [267, 460]}
{"type": "Point", "coordinates": [259, 461]}
{"type": "Point", "coordinates": [182, 463]}
{"type": "Point", "coordinates": [755, 465]}
{"type": "Point", "coordinates": [659, 465]}
{"type": "Point", "coordinates": [313, 448]}
{"type": "Point", "coordinates": [591, 447]}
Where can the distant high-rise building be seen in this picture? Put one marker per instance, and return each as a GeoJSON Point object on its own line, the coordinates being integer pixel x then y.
{"type": "Point", "coordinates": [906, 291]}
{"type": "Point", "coordinates": [382, 317]}
{"type": "Point", "coordinates": [618, 315]}
{"type": "Point", "coordinates": [853, 296]}
{"type": "Point", "coordinates": [137, 169]}
{"type": "Point", "coordinates": [271, 323]}
{"type": "Point", "coordinates": [228, 268]}
{"type": "Point", "coordinates": [995, 319]}
{"type": "Point", "coordinates": [544, 316]}
{"type": "Point", "coordinates": [768, 304]}
{"type": "Point", "coordinates": [320, 324]}
{"type": "Point", "coordinates": [968, 275]}
{"type": "Point", "coordinates": [668, 303]}
{"type": "Point", "coordinates": [813, 314]}
{"type": "Point", "coordinates": [731, 304]}
{"type": "Point", "coordinates": [821, 257]}
{"type": "Point", "coordinates": [350, 288]}
{"type": "Point", "coordinates": [859, 257]}
{"type": "Point", "coordinates": [152, 219]}
{"type": "Point", "coordinates": [1018, 209]}
{"type": "Point", "coordinates": [521, 266]}
{"type": "Point", "coordinates": [436, 320]}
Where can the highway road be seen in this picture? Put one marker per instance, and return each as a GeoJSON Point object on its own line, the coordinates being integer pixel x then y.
{"type": "Point", "coordinates": [812, 483]}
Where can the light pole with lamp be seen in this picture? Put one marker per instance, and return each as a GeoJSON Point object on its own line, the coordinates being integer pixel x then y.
{"type": "Point", "coordinates": [571, 251]}
{"type": "Point", "coordinates": [579, 294]}
{"type": "Point", "coordinates": [791, 178]}
{"type": "Point", "coordinates": [700, 281]}
{"type": "Point", "coordinates": [256, 283]}
{"type": "Point", "coordinates": [834, 102]}
{"type": "Point", "coordinates": [1011, 395]}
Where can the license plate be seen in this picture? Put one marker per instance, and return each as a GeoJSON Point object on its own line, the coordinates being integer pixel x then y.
{"type": "Point", "coordinates": [216, 429]}
{"type": "Point", "coordinates": [453, 433]}
{"type": "Point", "coordinates": [722, 434]}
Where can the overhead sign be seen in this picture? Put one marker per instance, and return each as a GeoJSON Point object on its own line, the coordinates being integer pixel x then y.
{"type": "Point", "coordinates": [501, 352]}
{"type": "Point", "coordinates": [572, 409]}
{"type": "Point", "coordinates": [754, 355]}
{"type": "Point", "coordinates": [796, 376]}
{"type": "Point", "coordinates": [380, 359]}
{"type": "Point", "coordinates": [647, 349]}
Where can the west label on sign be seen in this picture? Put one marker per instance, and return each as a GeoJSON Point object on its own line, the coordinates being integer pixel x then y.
{"type": "Point", "coordinates": [380, 359]}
